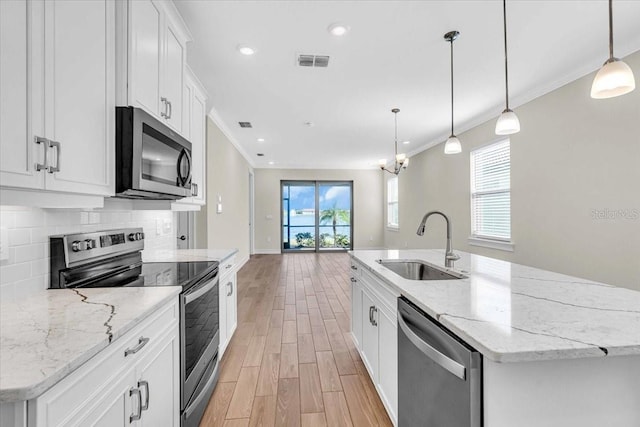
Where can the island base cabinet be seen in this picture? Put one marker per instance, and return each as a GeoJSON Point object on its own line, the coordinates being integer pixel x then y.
{"type": "Point", "coordinates": [374, 330]}
{"type": "Point", "coordinates": [133, 382]}
{"type": "Point", "coordinates": [587, 392]}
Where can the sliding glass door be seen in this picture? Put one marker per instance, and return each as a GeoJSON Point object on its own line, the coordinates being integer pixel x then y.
{"type": "Point", "coordinates": [316, 215]}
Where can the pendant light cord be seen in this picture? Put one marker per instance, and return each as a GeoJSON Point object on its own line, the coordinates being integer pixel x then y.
{"type": "Point", "coordinates": [395, 118]}
{"type": "Point", "coordinates": [610, 29]}
{"type": "Point", "coordinates": [451, 85]}
{"type": "Point", "coordinates": [506, 67]}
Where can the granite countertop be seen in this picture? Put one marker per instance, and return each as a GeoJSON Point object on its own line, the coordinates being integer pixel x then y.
{"type": "Point", "coordinates": [48, 335]}
{"type": "Point", "coordinates": [514, 313]}
{"type": "Point", "coordinates": [186, 255]}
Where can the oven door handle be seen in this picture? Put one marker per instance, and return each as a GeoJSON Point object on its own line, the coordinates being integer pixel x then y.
{"type": "Point", "coordinates": [193, 295]}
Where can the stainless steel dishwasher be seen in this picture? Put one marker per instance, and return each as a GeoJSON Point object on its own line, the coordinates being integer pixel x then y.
{"type": "Point", "coordinates": [439, 375]}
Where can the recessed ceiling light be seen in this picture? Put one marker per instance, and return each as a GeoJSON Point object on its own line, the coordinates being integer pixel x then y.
{"type": "Point", "coordinates": [406, 142]}
{"type": "Point", "coordinates": [272, 163]}
{"type": "Point", "coordinates": [309, 124]}
{"type": "Point", "coordinates": [246, 50]}
{"type": "Point", "coordinates": [260, 139]}
{"type": "Point", "coordinates": [338, 29]}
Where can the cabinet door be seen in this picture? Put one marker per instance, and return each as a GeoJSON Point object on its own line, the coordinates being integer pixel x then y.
{"type": "Point", "coordinates": [388, 360]}
{"type": "Point", "coordinates": [369, 336]}
{"type": "Point", "coordinates": [232, 305]}
{"type": "Point", "coordinates": [145, 23]}
{"type": "Point", "coordinates": [159, 385]}
{"type": "Point", "coordinates": [115, 407]}
{"type": "Point", "coordinates": [356, 313]}
{"type": "Point", "coordinates": [198, 139]}
{"type": "Point", "coordinates": [20, 42]}
{"type": "Point", "coordinates": [173, 77]}
{"type": "Point", "coordinates": [80, 95]}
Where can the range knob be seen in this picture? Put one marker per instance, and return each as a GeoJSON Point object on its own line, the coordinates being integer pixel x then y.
{"type": "Point", "coordinates": [140, 236]}
{"type": "Point", "coordinates": [90, 244]}
{"type": "Point", "coordinates": [136, 236]}
{"type": "Point", "coordinates": [78, 246]}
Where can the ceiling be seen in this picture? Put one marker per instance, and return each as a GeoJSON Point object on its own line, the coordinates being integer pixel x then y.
{"type": "Point", "coordinates": [393, 56]}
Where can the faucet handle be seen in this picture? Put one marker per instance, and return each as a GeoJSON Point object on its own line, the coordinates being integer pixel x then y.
{"type": "Point", "coordinates": [452, 256]}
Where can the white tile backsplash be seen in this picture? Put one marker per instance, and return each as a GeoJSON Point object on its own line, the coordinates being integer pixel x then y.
{"type": "Point", "coordinates": [28, 229]}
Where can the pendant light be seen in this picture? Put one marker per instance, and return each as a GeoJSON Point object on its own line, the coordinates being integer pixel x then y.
{"type": "Point", "coordinates": [615, 78]}
{"type": "Point", "coordinates": [401, 160]}
{"type": "Point", "coordinates": [508, 122]}
{"type": "Point", "coordinates": [452, 146]}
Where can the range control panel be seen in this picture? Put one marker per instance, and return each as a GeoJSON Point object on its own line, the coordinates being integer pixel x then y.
{"type": "Point", "coordinates": [85, 247]}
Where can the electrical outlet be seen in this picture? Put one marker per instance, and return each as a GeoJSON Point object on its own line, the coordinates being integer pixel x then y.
{"type": "Point", "coordinates": [167, 226]}
{"type": "Point", "coordinates": [269, 239]}
{"type": "Point", "coordinates": [158, 227]}
{"type": "Point", "coordinates": [4, 244]}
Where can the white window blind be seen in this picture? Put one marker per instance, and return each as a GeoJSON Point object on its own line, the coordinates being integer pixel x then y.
{"type": "Point", "coordinates": [491, 192]}
{"type": "Point", "coordinates": [392, 202]}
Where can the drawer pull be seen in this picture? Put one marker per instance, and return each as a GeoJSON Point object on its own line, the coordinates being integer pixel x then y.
{"type": "Point", "coordinates": [354, 280]}
{"type": "Point", "coordinates": [229, 266]}
{"type": "Point", "coordinates": [138, 415]}
{"type": "Point", "coordinates": [353, 267]}
{"type": "Point", "coordinates": [142, 341]}
{"type": "Point", "coordinates": [230, 285]}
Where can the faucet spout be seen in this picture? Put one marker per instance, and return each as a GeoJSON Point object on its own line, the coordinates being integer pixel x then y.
{"type": "Point", "coordinates": [450, 256]}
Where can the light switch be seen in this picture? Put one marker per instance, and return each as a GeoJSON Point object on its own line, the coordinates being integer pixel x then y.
{"type": "Point", "coordinates": [219, 205]}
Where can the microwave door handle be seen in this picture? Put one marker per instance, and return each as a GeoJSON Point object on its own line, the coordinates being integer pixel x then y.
{"type": "Point", "coordinates": [181, 179]}
{"type": "Point", "coordinates": [188, 180]}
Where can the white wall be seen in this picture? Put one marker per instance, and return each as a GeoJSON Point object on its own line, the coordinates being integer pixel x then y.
{"type": "Point", "coordinates": [227, 177]}
{"type": "Point", "coordinates": [28, 229]}
{"type": "Point", "coordinates": [576, 159]}
{"type": "Point", "coordinates": [367, 201]}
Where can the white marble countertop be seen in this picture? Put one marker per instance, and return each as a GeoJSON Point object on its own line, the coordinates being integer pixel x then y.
{"type": "Point", "coordinates": [48, 335]}
{"type": "Point", "coordinates": [514, 313]}
{"type": "Point", "coordinates": [186, 255]}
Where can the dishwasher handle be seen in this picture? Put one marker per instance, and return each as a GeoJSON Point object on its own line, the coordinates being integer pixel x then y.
{"type": "Point", "coordinates": [447, 363]}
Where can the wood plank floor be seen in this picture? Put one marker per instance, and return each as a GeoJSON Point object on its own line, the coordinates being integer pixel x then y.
{"type": "Point", "coordinates": [291, 361]}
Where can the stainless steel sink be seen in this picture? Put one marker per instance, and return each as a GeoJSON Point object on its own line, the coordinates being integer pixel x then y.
{"type": "Point", "coordinates": [418, 270]}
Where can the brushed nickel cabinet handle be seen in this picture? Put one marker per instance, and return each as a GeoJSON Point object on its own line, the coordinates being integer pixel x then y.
{"type": "Point", "coordinates": [163, 113]}
{"type": "Point", "coordinates": [169, 109]}
{"type": "Point", "coordinates": [142, 341]}
{"type": "Point", "coordinates": [56, 168]}
{"type": "Point", "coordinates": [353, 267]}
{"type": "Point", "coordinates": [136, 416]}
{"type": "Point", "coordinates": [374, 322]}
{"type": "Point", "coordinates": [354, 280]}
{"type": "Point", "coordinates": [144, 384]}
{"type": "Point", "coordinates": [230, 285]}
{"type": "Point", "coordinates": [45, 145]}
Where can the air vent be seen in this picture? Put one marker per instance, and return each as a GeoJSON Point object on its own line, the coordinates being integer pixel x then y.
{"type": "Point", "coordinates": [260, 154]}
{"type": "Point", "coordinates": [313, 61]}
{"type": "Point", "coordinates": [245, 124]}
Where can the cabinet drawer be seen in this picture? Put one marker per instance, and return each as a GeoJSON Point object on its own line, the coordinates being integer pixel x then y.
{"type": "Point", "coordinates": [70, 397]}
{"type": "Point", "coordinates": [227, 266]}
{"type": "Point", "coordinates": [387, 296]}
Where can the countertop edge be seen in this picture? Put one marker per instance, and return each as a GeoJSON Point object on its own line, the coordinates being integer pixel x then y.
{"type": "Point", "coordinates": [37, 389]}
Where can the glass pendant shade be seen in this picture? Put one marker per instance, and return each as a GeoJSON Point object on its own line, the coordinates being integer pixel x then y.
{"type": "Point", "coordinates": [401, 157]}
{"type": "Point", "coordinates": [507, 123]}
{"type": "Point", "coordinates": [382, 163]}
{"type": "Point", "coordinates": [615, 78]}
{"type": "Point", "coordinates": [452, 146]}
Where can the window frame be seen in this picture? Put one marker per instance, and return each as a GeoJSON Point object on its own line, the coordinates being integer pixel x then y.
{"type": "Point", "coordinates": [477, 239]}
{"type": "Point", "coordinates": [390, 225]}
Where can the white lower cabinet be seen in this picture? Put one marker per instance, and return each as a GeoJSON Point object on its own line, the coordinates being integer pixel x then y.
{"type": "Point", "coordinates": [133, 382]}
{"type": "Point", "coordinates": [228, 302]}
{"type": "Point", "coordinates": [374, 328]}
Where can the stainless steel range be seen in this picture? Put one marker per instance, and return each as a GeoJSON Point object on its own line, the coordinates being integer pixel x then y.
{"type": "Point", "coordinates": [113, 259]}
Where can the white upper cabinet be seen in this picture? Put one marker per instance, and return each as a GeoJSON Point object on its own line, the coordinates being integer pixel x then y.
{"type": "Point", "coordinates": [153, 59]}
{"type": "Point", "coordinates": [57, 93]}
{"type": "Point", "coordinates": [194, 125]}
{"type": "Point", "coordinates": [145, 21]}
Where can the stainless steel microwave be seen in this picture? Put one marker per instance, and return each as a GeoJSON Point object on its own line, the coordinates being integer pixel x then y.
{"type": "Point", "coordinates": [152, 161]}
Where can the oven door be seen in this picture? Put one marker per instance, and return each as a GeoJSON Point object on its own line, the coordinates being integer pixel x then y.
{"type": "Point", "coordinates": [199, 335]}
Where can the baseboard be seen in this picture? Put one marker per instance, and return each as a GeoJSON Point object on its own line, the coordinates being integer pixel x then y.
{"type": "Point", "coordinates": [241, 262]}
{"type": "Point", "coordinates": [267, 252]}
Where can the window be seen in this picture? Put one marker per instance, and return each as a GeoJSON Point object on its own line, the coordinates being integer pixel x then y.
{"type": "Point", "coordinates": [392, 202]}
{"type": "Point", "coordinates": [491, 193]}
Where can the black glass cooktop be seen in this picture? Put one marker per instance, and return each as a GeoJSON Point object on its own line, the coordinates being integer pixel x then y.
{"type": "Point", "coordinates": [182, 274]}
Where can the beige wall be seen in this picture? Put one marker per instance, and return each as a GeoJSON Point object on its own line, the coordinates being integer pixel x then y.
{"type": "Point", "coordinates": [574, 155]}
{"type": "Point", "coordinates": [228, 177]}
{"type": "Point", "coordinates": [367, 209]}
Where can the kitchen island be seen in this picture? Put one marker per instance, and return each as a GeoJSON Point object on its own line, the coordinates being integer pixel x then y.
{"type": "Point", "coordinates": [557, 350]}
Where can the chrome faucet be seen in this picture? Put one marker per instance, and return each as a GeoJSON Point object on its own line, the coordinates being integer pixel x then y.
{"type": "Point", "coordinates": [449, 256]}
